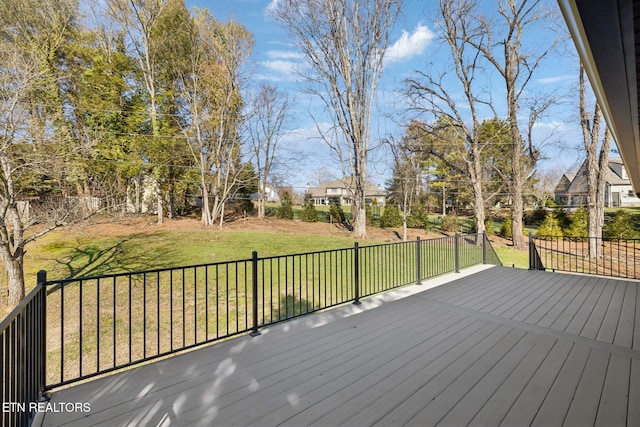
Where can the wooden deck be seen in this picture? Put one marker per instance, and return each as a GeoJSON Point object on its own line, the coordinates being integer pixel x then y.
{"type": "Point", "coordinates": [501, 346]}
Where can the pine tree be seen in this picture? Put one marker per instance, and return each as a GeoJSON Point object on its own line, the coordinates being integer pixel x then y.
{"type": "Point", "coordinates": [285, 211]}
{"type": "Point", "coordinates": [309, 212]}
{"type": "Point", "coordinates": [391, 217]}
{"type": "Point", "coordinates": [550, 227]}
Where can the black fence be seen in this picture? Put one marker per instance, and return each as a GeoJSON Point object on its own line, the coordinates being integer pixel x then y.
{"type": "Point", "coordinates": [588, 255]}
{"type": "Point", "coordinates": [23, 355]}
{"type": "Point", "coordinates": [96, 325]}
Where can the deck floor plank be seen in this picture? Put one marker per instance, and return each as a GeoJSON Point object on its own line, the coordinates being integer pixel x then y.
{"type": "Point", "coordinates": [577, 324]}
{"type": "Point", "coordinates": [494, 344]}
{"type": "Point", "coordinates": [374, 403]}
{"type": "Point", "coordinates": [526, 406]}
{"type": "Point", "coordinates": [594, 322]}
{"type": "Point", "coordinates": [465, 408]}
{"type": "Point", "coordinates": [500, 347]}
{"type": "Point", "coordinates": [634, 394]}
{"type": "Point", "coordinates": [624, 331]}
{"type": "Point", "coordinates": [610, 321]}
{"type": "Point", "coordinates": [573, 308]}
{"type": "Point", "coordinates": [612, 410]}
{"type": "Point", "coordinates": [576, 288]}
{"type": "Point", "coordinates": [556, 404]}
{"type": "Point", "coordinates": [501, 401]}
{"type": "Point", "coordinates": [584, 407]}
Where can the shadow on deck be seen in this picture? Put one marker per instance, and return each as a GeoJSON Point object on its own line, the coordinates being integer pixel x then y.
{"type": "Point", "coordinates": [488, 346]}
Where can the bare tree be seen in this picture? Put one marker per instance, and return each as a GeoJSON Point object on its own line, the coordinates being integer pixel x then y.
{"type": "Point", "coordinates": [267, 124]}
{"type": "Point", "coordinates": [210, 89]}
{"type": "Point", "coordinates": [501, 45]}
{"type": "Point", "coordinates": [407, 179]}
{"type": "Point", "coordinates": [31, 34]}
{"type": "Point", "coordinates": [141, 20]}
{"type": "Point", "coordinates": [344, 42]}
{"type": "Point", "coordinates": [596, 166]}
{"type": "Point", "coordinates": [436, 95]}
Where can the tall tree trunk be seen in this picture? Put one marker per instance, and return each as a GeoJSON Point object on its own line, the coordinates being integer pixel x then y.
{"type": "Point", "coordinates": [603, 166]}
{"type": "Point", "coordinates": [14, 266]}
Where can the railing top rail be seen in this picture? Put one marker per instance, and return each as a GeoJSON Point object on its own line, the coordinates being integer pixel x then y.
{"type": "Point", "coordinates": [20, 308]}
{"type": "Point", "coordinates": [238, 261]}
{"type": "Point", "coordinates": [572, 238]}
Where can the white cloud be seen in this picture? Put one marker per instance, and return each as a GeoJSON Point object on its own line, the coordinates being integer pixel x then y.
{"type": "Point", "coordinates": [556, 79]}
{"type": "Point", "coordinates": [271, 7]}
{"type": "Point", "coordinates": [409, 45]}
{"type": "Point", "coordinates": [284, 63]}
{"type": "Point", "coordinates": [284, 54]}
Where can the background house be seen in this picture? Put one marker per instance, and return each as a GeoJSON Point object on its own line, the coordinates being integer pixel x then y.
{"type": "Point", "coordinates": [571, 190]}
{"type": "Point", "coordinates": [340, 192]}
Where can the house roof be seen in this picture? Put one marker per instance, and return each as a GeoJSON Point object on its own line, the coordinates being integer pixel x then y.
{"type": "Point", "coordinates": [607, 36]}
{"type": "Point", "coordinates": [577, 183]}
{"type": "Point", "coordinates": [564, 183]}
{"type": "Point", "coordinates": [345, 183]}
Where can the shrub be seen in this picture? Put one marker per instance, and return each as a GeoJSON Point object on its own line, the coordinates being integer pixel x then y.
{"type": "Point", "coordinates": [506, 230]}
{"type": "Point", "coordinates": [450, 223]}
{"type": "Point", "coordinates": [535, 217]}
{"type": "Point", "coordinates": [369, 214]}
{"type": "Point", "coordinates": [620, 226]}
{"type": "Point", "coordinates": [562, 217]}
{"type": "Point", "coordinates": [419, 217]}
{"type": "Point", "coordinates": [550, 227]}
{"type": "Point", "coordinates": [243, 205]}
{"type": "Point", "coordinates": [488, 225]}
{"type": "Point", "coordinates": [391, 217]}
{"type": "Point", "coordinates": [579, 227]}
{"type": "Point", "coordinates": [336, 214]}
{"type": "Point", "coordinates": [309, 212]}
{"type": "Point", "coordinates": [285, 211]}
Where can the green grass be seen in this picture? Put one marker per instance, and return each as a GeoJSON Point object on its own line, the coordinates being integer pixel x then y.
{"type": "Point", "coordinates": [64, 254]}
{"type": "Point", "coordinates": [512, 257]}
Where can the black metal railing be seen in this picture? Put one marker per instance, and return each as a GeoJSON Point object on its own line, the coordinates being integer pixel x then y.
{"type": "Point", "coordinates": [588, 255]}
{"type": "Point", "coordinates": [23, 355]}
{"type": "Point", "coordinates": [95, 325]}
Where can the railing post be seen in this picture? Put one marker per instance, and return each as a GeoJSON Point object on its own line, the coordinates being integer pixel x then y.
{"type": "Point", "coordinates": [418, 262]}
{"type": "Point", "coordinates": [456, 245]}
{"type": "Point", "coordinates": [531, 256]}
{"type": "Point", "coordinates": [484, 247]}
{"type": "Point", "coordinates": [356, 273]}
{"type": "Point", "coordinates": [254, 291]}
{"type": "Point", "coordinates": [42, 338]}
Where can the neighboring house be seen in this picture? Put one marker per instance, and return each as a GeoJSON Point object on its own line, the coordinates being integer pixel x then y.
{"type": "Point", "coordinates": [571, 190]}
{"type": "Point", "coordinates": [340, 191]}
{"type": "Point", "coordinates": [271, 195]}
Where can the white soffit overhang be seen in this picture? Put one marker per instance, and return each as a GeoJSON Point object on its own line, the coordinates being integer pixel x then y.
{"type": "Point", "coordinates": [605, 36]}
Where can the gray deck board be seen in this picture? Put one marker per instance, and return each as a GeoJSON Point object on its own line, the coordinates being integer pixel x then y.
{"type": "Point", "coordinates": [564, 319]}
{"type": "Point", "coordinates": [584, 408]}
{"type": "Point", "coordinates": [613, 402]}
{"type": "Point", "coordinates": [499, 347]}
{"type": "Point", "coordinates": [556, 403]}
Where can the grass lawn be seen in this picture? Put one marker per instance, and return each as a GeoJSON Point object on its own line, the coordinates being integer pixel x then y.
{"type": "Point", "coordinates": [68, 253]}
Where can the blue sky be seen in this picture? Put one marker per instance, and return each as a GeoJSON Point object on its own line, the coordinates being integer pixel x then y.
{"type": "Point", "coordinates": [413, 45]}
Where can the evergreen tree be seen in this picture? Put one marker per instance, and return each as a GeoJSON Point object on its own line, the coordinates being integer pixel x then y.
{"type": "Point", "coordinates": [450, 223]}
{"type": "Point", "coordinates": [505, 230]}
{"type": "Point", "coordinates": [620, 226]}
{"type": "Point", "coordinates": [309, 212]}
{"type": "Point", "coordinates": [550, 227]}
{"type": "Point", "coordinates": [391, 217]}
{"type": "Point", "coordinates": [579, 225]}
{"type": "Point", "coordinates": [336, 214]}
{"type": "Point", "coordinates": [285, 211]}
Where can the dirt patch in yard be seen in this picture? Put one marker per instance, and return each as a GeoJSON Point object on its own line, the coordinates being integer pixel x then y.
{"type": "Point", "coordinates": [148, 224]}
